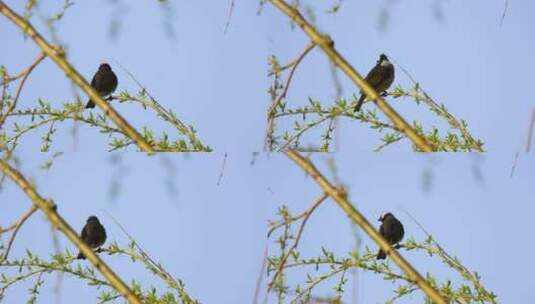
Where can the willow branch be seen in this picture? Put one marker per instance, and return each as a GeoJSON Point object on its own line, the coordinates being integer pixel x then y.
{"type": "Point", "coordinates": [441, 110]}
{"type": "Point", "coordinates": [327, 45]}
{"type": "Point", "coordinates": [341, 199]}
{"type": "Point", "coordinates": [453, 262]}
{"type": "Point", "coordinates": [303, 130]}
{"type": "Point", "coordinates": [49, 209]}
{"type": "Point", "coordinates": [58, 56]}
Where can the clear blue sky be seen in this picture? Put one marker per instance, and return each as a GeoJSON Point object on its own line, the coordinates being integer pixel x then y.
{"type": "Point", "coordinates": [213, 236]}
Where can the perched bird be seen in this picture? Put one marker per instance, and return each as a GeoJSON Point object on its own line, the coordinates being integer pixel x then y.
{"type": "Point", "coordinates": [104, 82]}
{"type": "Point", "coordinates": [391, 230]}
{"type": "Point", "coordinates": [380, 78]}
{"type": "Point", "coordinates": [93, 234]}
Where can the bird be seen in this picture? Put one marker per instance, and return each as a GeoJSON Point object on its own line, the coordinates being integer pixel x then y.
{"type": "Point", "coordinates": [380, 78]}
{"type": "Point", "coordinates": [104, 82]}
{"type": "Point", "coordinates": [93, 234]}
{"type": "Point", "coordinates": [391, 230]}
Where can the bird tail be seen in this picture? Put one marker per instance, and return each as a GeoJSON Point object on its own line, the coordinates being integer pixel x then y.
{"type": "Point", "coordinates": [381, 255]}
{"type": "Point", "coordinates": [90, 104]}
{"type": "Point", "coordinates": [359, 103]}
{"type": "Point", "coordinates": [80, 256]}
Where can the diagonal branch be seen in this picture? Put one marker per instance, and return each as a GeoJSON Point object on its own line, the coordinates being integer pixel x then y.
{"type": "Point", "coordinates": [49, 209]}
{"type": "Point", "coordinates": [57, 54]}
{"type": "Point", "coordinates": [340, 197]}
{"type": "Point", "coordinates": [327, 45]}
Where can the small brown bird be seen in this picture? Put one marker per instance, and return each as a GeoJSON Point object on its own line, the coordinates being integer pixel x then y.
{"type": "Point", "coordinates": [391, 230]}
{"type": "Point", "coordinates": [380, 78]}
{"type": "Point", "coordinates": [104, 82]}
{"type": "Point", "coordinates": [93, 234]}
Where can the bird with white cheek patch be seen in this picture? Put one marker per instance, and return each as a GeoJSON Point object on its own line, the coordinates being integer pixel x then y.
{"type": "Point", "coordinates": [380, 78]}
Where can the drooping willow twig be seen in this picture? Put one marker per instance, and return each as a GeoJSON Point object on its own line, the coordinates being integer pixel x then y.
{"type": "Point", "coordinates": [138, 253]}
{"type": "Point", "coordinates": [44, 115]}
{"type": "Point", "coordinates": [453, 262]}
{"type": "Point", "coordinates": [419, 94]}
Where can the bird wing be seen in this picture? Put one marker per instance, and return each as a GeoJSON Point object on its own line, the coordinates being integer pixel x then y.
{"type": "Point", "coordinates": [104, 234]}
{"type": "Point", "coordinates": [382, 230]}
{"type": "Point", "coordinates": [401, 232]}
{"type": "Point", "coordinates": [375, 76]}
{"type": "Point", "coordinates": [84, 234]}
{"type": "Point", "coordinates": [94, 80]}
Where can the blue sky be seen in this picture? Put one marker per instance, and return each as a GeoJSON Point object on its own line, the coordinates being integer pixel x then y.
{"type": "Point", "coordinates": [213, 236]}
{"type": "Point", "coordinates": [218, 83]}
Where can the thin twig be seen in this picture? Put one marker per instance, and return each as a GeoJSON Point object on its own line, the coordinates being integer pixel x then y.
{"type": "Point", "coordinates": [230, 11]}
{"type": "Point", "coordinates": [450, 118]}
{"type": "Point", "coordinates": [504, 12]}
{"type": "Point", "coordinates": [306, 216]}
{"type": "Point", "coordinates": [260, 275]}
{"type": "Point", "coordinates": [17, 227]}
{"type": "Point", "coordinates": [513, 168]}
{"type": "Point", "coordinates": [25, 75]}
{"type": "Point", "coordinates": [153, 265]}
{"type": "Point", "coordinates": [222, 169]}
{"type": "Point", "coordinates": [277, 225]}
{"type": "Point", "coordinates": [300, 132]}
{"type": "Point", "coordinates": [276, 102]}
{"type": "Point", "coordinates": [528, 142]}
{"type": "Point", "coordinates": [452, 261]}
{"type": "Point", "coordinates": [530, 131]}
{"type": "Point", "coordinates": [164, 113]}
{"type": "Point", "coordinates": [309, 288]}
